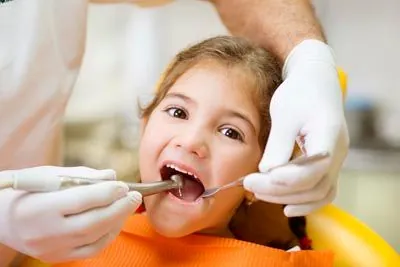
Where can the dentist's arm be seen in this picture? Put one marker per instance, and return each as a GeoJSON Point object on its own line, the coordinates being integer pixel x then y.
{"type": "Point", "coordinates": [307, 104]}
{"type": "Point", "coordinates": [278, 25]}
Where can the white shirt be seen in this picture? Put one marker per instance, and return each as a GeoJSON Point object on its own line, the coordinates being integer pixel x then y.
{"type": "Point", "coordinates": [41, 50]}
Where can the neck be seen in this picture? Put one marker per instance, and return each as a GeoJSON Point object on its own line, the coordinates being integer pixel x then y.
{"type": "Point", "coordinates": [216, 231]}
{"type": "Point", "coordinates": [221, 229]}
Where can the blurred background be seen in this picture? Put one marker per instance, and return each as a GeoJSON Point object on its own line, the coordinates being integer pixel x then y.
{"type": "Point", "coordinates": [128, 47]}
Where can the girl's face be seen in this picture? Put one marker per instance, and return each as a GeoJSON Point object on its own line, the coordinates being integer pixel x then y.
{"type": "Point", "coordinates": [207, 126]}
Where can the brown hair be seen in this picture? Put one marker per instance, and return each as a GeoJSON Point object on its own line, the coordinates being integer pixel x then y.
{"type": "Point", "coordinates": [262, 223]}
{"type": "Point", "coordinates": [232, 52]}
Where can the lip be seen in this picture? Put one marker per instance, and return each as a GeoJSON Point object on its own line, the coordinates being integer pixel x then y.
{"type": "Point", "coordinates": [183, 167]}
{"type": "Point", "coordinates": [183, 202]}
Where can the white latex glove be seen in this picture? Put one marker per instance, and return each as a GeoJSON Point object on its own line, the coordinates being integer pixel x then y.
{"type": "Point", "coordinates": [64, 225]}
{"type": "Point", "coordinates": [307, 104]}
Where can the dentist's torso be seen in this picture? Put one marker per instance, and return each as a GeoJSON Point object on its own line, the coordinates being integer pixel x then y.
{"type": "Point", "coordinates": [41, 50]}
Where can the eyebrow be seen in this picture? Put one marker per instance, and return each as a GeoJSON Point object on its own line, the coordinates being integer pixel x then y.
{"type": "Point", "coordinates": [181, 96]}
{"type": "Point", "coordinates": [231, 113]}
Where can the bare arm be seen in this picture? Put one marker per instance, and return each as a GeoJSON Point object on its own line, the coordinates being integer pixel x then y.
{"type": "Point", "coordinates": [278, 25]}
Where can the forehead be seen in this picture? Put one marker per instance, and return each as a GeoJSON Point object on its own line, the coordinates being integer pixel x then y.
{"type": "Point", "coordinates": [211, 79]}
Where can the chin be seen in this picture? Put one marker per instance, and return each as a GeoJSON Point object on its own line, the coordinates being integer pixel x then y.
{"type": "Point", "coordinates": [172, 233]}
{"type": "Point", "coordinates": [172, 228]}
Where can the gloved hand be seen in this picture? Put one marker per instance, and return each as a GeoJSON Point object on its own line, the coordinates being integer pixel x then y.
{"type": "Point", "coordinates": [64, 225]}
{"type": "Point", "coordinates": [307, 107]}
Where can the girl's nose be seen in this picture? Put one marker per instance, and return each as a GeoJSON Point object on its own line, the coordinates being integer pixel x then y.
{"type": "Point", "coordinates": [194, 141]}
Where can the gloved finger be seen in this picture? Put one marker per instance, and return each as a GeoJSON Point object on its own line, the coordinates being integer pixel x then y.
{"type": "Point", "coordinates": [341, 149]}
{"type": "Point", "coordinates": [82, 198]}
{"type": "Point", "coordinates": [300, 177]}
{"type": "Point", "coordinates": [279, 146]}
{"type": "Point", "coordinates": [307, 208]}
{"type": "Point", "coordinates": [92, 249]}
{"type": "Point", "coordinates": [286, 180]}
{"type": "Point", "coordinates": [112, 233]}
{"type": "Point", "coordinates": [112, 229]}
{"type": "Point", "coordinates": [323, 135]}
{"type": "Point", "coordinates": [84, 172]}
{"type": "Point", "coordinates": [90, 237]}
{"type": "Point", "coordinates": [314, 194]}
{"type": "Point", "coordinates": [81, 252]}
{"type": "Point", "coordinates": [259, 183]}
{"type": "Point", "coordinates": [89, 226]}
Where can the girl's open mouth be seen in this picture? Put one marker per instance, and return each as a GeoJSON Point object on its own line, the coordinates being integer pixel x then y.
{"type": "Point", "coordinates": [192, 187]}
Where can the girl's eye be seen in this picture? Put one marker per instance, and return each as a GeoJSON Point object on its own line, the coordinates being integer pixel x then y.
{"type": "Point", "coordinates": [232, 133]}
{"type": "Point", "coordinates": [177, 113]}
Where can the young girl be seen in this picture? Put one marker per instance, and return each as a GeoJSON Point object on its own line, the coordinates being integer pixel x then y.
{"type": "Point", "coordinates": [208, 122]}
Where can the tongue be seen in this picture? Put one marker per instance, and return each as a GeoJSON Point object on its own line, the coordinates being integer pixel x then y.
{"type": "Point", "coordinates": [190, 191]}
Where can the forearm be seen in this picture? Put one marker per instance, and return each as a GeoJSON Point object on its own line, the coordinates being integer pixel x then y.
{"type": "Point", "coordinates": [278, 25]}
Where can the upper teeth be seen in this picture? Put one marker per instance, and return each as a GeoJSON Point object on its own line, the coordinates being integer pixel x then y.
{"type": "Point", "coordinates": [172, 166]}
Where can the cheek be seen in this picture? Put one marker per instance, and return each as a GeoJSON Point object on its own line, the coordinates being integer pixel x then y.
{"type": "Point", "coordinates": [151, 144]}
{"type": "Point", "coordinates": [236, 164]}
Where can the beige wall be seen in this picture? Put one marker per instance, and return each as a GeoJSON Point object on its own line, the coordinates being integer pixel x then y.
{"type": "Point", "coordinates": [373, 197]}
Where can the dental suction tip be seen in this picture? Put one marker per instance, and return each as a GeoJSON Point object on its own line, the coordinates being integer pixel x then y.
{"type": "Point", "coordinates": [178, 180]}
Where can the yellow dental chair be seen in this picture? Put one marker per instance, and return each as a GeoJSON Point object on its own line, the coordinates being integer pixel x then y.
{"type": "Point", "coordinates": [353, 243]}
{"type": "Point", "coordinates": [330, 228]}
